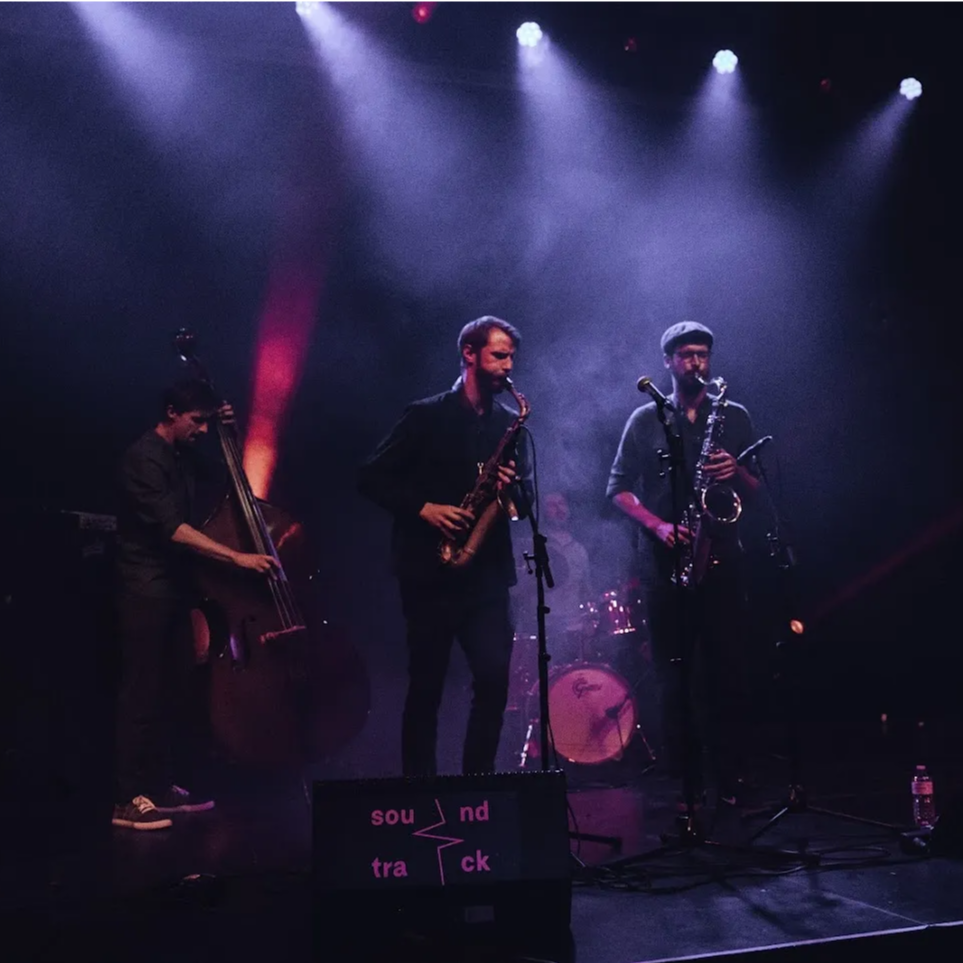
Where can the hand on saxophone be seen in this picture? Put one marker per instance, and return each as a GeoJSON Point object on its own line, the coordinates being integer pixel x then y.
{"type": "Point", "coordinates": [720, 466]}
{"type": "Point", "coordinates": [448, 519]}
{"type": "Point", "coordinates": [506, 475]}
{"type": "Point", "coordinates": [665, 533]}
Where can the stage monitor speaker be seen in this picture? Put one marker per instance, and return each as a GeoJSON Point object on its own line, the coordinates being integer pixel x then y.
{"type": "Point", "coordinates": [482, 858]}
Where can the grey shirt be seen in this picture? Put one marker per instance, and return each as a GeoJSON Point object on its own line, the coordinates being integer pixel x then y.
{"type": "Point", "coordinates": [638, 468]}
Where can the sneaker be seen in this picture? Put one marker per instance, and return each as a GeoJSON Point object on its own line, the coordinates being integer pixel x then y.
{"type": "Point", "coordinates": [140, 813]}
{"type": "Point", "coordinates": [178, 800]}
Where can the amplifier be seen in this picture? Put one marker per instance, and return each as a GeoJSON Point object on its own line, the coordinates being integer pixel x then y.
{"type": "Point", "coordinates": [463, 857]}
{"type": "Point", "coordinates": [53, 554]}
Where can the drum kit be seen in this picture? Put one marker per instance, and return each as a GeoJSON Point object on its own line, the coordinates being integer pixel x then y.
{"type": "Point", "coordinates": [593, 708]}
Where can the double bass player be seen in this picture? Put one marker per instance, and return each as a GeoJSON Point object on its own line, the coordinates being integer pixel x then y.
{"type": "Point", "coordinates": [155, 592]}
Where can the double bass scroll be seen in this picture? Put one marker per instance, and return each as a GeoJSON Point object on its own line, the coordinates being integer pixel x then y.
{"type": "Point", "coordinates": [287, 688]}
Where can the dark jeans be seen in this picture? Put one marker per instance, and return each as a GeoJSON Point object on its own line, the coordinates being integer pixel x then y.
{"type": "Point", "coordinates": [156, 703]}
{"type": "Point", "coordinates": [718, 691]}
{"type": "Point", "coordinates": [483, 626]}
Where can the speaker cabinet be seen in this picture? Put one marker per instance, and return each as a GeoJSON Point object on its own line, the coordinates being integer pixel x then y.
{"type": "Point", "coordinates": [451, 857]}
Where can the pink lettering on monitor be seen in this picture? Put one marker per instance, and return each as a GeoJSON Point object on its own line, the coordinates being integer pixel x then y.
{"type": "Point", "coordinates": [443, 841]}
{"type": "Point", "coordinates": [392, 817]}
{"type": "Point", "coordinates": [475, 864]}
{"type": "Point", "coordinates": [473, 814]}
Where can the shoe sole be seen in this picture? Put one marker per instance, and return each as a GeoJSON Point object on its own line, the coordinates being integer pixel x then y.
{"type": "Point", "coordinates": [154, 824]}
{"type": "Point", "coordinates": [189, 808]}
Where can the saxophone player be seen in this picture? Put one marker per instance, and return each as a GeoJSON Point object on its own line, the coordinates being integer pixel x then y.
{"type": "Point", "coordinates": [640, 486]}
{"type": "Point", "coordinates": [421, 473]}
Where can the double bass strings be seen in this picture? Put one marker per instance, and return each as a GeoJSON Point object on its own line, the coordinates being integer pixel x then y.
{"type": "Point", "coordinates": [280, 588]}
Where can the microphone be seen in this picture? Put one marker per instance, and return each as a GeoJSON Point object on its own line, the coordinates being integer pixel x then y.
{"type": "Point", "coordinates": [752, 449]}
{"type": "Point", "coordinates": [645, 385]}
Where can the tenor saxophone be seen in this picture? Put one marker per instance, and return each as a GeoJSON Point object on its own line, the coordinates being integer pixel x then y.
{"type": "Point", "coordinates": [713, 504]}
{"type": "Point", "coordinates": [483, 501]}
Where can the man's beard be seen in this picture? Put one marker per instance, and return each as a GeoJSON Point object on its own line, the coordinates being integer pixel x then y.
{"type": "Point", "coordinates": [689, 384]}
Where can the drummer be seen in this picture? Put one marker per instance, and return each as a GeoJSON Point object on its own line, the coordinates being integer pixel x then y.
{"type": "Point", "coordinates": [573, 618]}
{"type": "Point", "coordinates": [570, 615]}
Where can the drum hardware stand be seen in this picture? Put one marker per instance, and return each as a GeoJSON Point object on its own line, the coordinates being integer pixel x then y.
{"type": "Point", "coordinates": [786, 672]}
{"type": "Point", "coordinates": [543, 577]}
{"type": "Point", "coordinates": [613, 712]}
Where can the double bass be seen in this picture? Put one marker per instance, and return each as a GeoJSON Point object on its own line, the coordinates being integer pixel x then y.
{"type": "Point", "coordinates": [287, 687]}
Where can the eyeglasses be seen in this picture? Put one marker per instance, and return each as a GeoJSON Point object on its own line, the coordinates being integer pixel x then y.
{"type": "Point", "coordinates": [689, 355]}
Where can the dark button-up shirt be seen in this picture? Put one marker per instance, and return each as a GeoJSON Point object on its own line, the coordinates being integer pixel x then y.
{"type": "Point", "coordinates": [157, 485]}
{"type": "Point", "coordinates": [638, 468]}
{"type": "Point", "coordinates": [432, 455]}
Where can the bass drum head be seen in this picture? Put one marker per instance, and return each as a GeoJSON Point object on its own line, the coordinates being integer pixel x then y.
{"type": "Point", "coordinates": [593, 715]}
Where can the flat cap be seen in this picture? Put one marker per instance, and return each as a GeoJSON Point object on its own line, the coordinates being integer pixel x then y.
{"type": "Point", "coordinates": [685, 331]}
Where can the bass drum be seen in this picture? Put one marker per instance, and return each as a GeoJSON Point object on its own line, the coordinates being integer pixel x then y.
{"type": "Point", "coordinates": [593, 715]}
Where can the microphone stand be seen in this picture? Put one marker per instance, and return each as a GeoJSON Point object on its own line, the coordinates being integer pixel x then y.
{"type": "Point", "coordinates": [689, 830]}
{"type": "Point", "coordinates": [543, 577]}
{"type": "Point", "coordinates": [786, 673]}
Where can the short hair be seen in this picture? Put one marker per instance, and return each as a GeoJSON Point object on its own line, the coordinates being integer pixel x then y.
{"type": "Point", "coordinates": [189, 394]}
{"type": "Point", "coordinates": [476, 333]}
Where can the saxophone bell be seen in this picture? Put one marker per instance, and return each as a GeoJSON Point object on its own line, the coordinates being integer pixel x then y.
{"type": "Point", "coordinates": [719, 500]}
{"type": "Point", "coordinates": [721, 503]}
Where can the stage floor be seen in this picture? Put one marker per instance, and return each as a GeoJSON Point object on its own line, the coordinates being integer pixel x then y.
{"type": "Point", "coordinates": [118, 892]}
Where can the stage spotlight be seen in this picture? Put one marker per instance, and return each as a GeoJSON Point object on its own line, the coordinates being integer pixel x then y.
{"type": "Point", "coordinates": [421, 12]}
{"type": "Point", "coordinates": [529, 34]}
{"type": "Point", "coordinates": [725, 61]}
{"type": "Point", "coordinates": [306, 8]}
{"type": "Point", "coordinates": [911, 88]}
{"type": "Point", "coordinates": [631, 45]}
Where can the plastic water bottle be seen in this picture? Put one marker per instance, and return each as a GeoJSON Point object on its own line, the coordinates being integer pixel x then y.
{"type": "Point", "coordinates": [924, 811]}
